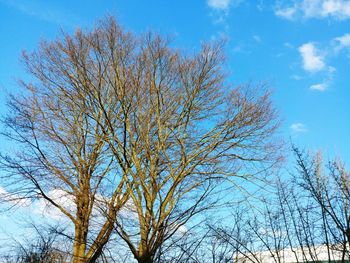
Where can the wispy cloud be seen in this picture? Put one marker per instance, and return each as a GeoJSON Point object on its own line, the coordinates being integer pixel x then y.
{"type": "Point", "coordinates": [219, 4]}
{"type": "Point", "coordinates": [42, 11]}
{"type": "Point", "coordinates": [337, 9]}
{"type": "Point", "coordinates": [287, 13]}
{"type": "Point", "coordinates": [221, 9]}
{"type": "Point", "coordinates": [319, 87]}
{"type": "Point", "coordinates": [341, 42]}
{"type": "Point", "coordinates": [313, 59]}
{"type": "Point", "coordinates": [288, 45]}
{"type": "Point", "coordinates": [257, 38]}
{"type": "Point", "coordinates": [298, 128]}
{"type": "Point", "coordinates": [296, 77]}
{"type": "Point", "coordinates": [261, 5]}
{"type": "Point", "coordinates": [13, 199]}
{"type": "Point", "coordinates": [327, 81]}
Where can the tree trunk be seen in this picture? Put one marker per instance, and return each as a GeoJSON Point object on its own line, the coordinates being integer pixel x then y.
{"type": "Point", "coordinates": [79, 245]}
{"type": "Point", "coordinates": [79, 253]}
{"type": "Point", "coordinates": [145, 258]}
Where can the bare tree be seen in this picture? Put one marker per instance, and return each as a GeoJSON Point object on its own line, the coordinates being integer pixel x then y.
{"type": "Point", "coordinates": [114, 120]}
{"type": "Point", "coordinates": [62, 155]}
{"type": "Point", "coordinates": [330, 193]}
{"type": "Point", "coordinates": [44, 245]}
{"type": "Point", "coordinates": [304, 218]}
{"type": "Point", "coordinates": [185, 131]}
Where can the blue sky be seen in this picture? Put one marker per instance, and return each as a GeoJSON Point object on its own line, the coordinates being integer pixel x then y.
{"type": "Point", "coordinates": [300, 48]}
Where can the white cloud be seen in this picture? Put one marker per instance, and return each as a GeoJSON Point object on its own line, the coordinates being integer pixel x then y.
{"type": "Point", "coordinates": [179, 230]}
{"type": "Point", "coordinates": [319, 87]}
{"type": "Point", "coordinates": [45, 208]}
{"type": "Point", "coordinates": [341, 42]}
{"type": "Point", "coordinates": [67, 201]}
{"type": "Point", "coordinates": [129, 210]}
{"type": "Point", "coordinates": [331, 69]}
{"type": "Point", "coordinates": [313, 60]}
{"type": "Point", "coordinates": [338, 9]}
{"type": "Point", "coordinates": [182, 229]}
{"type": "Point", "coordinates": [13, 199]}
{"type": "Point", "coordinates": [323, 86]}
{"type": "Point", "coordinates": [298, 128]}
{"type": "Point", "coordinates": [327, 80]}
{"type": "Point", "coordinates": [287, 13]}
{"type": "Point", "coordinates": [296, 77]}
{"type": "Point", "coordinates": [221, 9]}
{"type": "Point", "coordinates": [219, 4]}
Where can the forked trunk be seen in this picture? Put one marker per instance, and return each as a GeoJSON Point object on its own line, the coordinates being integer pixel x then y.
{"type": "Point", "coordinates": [146, 258]}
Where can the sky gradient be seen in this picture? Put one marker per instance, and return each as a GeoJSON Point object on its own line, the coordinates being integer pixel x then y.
{"type": "Point", "coordinates": [300, 49]}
